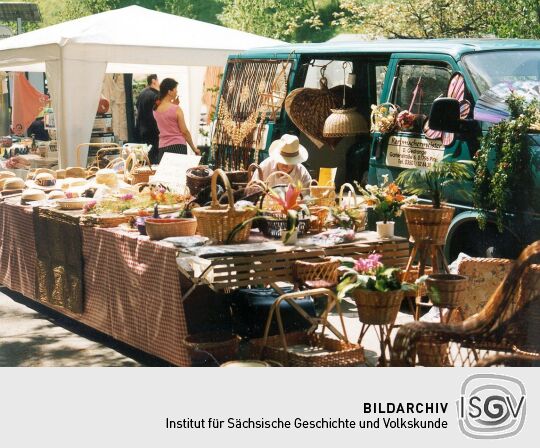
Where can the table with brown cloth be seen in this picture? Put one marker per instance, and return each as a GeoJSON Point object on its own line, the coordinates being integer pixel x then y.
{"type": "Point", "coordinates": [132, 288]}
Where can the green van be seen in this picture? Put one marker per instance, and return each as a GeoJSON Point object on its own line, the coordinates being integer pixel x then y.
{"type": "Point", "coordinates": [410, 74]}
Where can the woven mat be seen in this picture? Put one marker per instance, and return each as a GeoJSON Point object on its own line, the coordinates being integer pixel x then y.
{"type": "Point", "coordinates": [59, 259]}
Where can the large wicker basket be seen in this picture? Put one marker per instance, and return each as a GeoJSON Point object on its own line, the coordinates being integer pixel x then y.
{"type": "Point", "coordinates": [425, 222]}
{"type": "Point", "coordinates": [376, 307]}
{"type": "Point", "coordinates": [222, 346]}
{"type": "Point", "coordinates": [198, 178]}
{"type": "Point", "coordinates": [217, 221]}
{"type": "Point", "coordinates": [157, 228]}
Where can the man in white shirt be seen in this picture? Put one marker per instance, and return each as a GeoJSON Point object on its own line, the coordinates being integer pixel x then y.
{"type": "Point", "coordinates": [286, 155]}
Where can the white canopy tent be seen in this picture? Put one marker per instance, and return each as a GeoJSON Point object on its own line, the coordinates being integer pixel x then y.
{"type": "Point", "coordinates": [75, 56]}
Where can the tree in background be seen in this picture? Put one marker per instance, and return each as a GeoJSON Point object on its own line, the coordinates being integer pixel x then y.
{"type": "Point", "coordinates": [289, 20]}
{"type": "Point", "coordinates": [441, 18]}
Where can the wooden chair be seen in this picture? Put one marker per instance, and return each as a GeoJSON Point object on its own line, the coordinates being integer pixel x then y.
{"type": "Point", "coordinates": [510, 318]}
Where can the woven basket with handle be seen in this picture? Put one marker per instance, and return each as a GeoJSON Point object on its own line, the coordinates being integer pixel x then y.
{"type": "Point", "coordinates": [353, 203]}
{"type": "Point", "coordinates": [137, 171]}
{"type": "Point", "coordinates": [323, 195]}
{"type": "Point", "coordinates": [276, 179]}
{"type": "Point", "coordinates": [216, 221]}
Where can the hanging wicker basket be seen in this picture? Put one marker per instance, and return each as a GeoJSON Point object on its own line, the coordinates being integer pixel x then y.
{"type": "Point", "coordinates": [425, 222]}
{"type": "Point", "coordinates": [447, 290]}
{"type": "Point", "coordinates": [217, 221]}
{"type": "Point", "coordinates": [345, 123]}
{"type": "Point", "coordinates": [376, 307]}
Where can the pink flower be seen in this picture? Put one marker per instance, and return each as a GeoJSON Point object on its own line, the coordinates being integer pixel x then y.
{"type": "Point", "coordinates": [89, 206]}
{"type": "Point", "coordinates": [369, 264]}
{"type": "Point", "coordinates": [127, 197]}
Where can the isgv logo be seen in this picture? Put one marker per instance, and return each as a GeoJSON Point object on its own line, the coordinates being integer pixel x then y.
{"type": "Point", "coordinates": [491, 406]}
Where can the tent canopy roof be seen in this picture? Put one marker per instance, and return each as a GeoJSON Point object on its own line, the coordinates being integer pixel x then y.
{"type": "Point", "coordinates": [131, 35]}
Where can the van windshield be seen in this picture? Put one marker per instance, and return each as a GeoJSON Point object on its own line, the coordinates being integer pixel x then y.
{"type": "Point", "coordinates": [494, 67]}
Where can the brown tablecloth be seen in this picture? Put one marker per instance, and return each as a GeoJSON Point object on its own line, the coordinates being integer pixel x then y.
{"type": "Point", "coordinates": [131, 285]}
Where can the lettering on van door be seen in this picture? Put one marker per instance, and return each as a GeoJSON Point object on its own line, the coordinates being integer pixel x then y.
{"type": "Point", "coordinates": [408, 152]}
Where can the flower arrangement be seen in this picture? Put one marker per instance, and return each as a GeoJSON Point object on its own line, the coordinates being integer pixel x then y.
{"type": "Point", "coordinates": [369, 274]}
{"type": "Point", "coordinates": [288, 202]}
{"type": "Point", "coordinates": [386, 199]}
{"type": "Point", "coordinates": [383, 117]}
{"type": "Point", "coordinates": [349, 217]}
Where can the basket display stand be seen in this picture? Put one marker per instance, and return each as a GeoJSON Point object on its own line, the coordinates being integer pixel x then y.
{"type": "Point", "coordinates": [427, 250]}
{"type": "Point", "coordinates": [383, 335]}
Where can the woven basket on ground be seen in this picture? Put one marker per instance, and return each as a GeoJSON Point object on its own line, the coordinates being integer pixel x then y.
{"type": "Point", "coordinates": [222, 346]}
{"type": "Point", "coordinates": [323, 195]}
{"type": "Point", "coordinates": [217, 221]}
{"type": "Point", "coordinates": [376, 307]}
{"type": "Point", "coordinates": [447, 290]}
{"type": "Point", "coordinates": [159, 228]}
{"type": "Point", "coordinates": [137, 171]}
{"type": "Point", "coordinates": [198, 178]}
{"type": "Point", "coordinates": [319, 351]}
{"type": "Point", "coordinates": [427, 223]}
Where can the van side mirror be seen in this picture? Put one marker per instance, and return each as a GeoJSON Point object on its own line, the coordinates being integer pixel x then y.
{"type": "Point", "coordinates": [444, 115]}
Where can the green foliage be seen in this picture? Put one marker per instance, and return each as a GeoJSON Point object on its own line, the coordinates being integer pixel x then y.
{"type": "Point", "coordinates": [505, 188]}
{"type": "Point", "coordinates": [434, 181]}
{"type": "Point", "coordinates": [441, 18]}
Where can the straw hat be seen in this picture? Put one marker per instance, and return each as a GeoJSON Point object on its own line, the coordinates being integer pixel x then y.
{"type": "Point", "coordinates": [32, 195]}
{"type": "Point", "coordinates": [76, 171]}
{"type": "Point", "coordinates": [43, 181]}
{"type": "Point", "coordinates": [56, 194]}
{"type": "Point", "coordinates": [288, 150]}
{"type": "Point", "coordinates": [60, 174]}
{"type": "Point", "coordinates": [107, 177]}
{"type": "Point", "coordinates": [4, 174]}
{"type": "Point", "coordinates": [12, 185]}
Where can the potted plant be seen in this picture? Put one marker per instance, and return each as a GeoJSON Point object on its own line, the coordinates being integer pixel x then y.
{"type": "Point", "coordinates": [386, 201]}
{"type": "Point", "coordinates": [376, 289]}
{"type": "Point", "coordinates": [431, 221]}
{"type": "Point", "coordinates": [289, 210]}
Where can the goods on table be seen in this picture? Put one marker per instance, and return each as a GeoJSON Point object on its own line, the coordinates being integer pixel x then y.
{"type": "Point", "coordinates": [159, 228]}
{"type": "Point", "coordinates": [12, 183]}
{"type": "Point", "coordinates": [198, 178]}
{"type": "Point", "coordinates": [72, 203]}
{"type": "Point", "coordinates": [56, 194]}
{"type": "Point", "coordinates": [32, 195]}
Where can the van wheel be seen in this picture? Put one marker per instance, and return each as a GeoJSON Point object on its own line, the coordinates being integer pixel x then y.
{"type": "Point", "coordinates": [488, 243]}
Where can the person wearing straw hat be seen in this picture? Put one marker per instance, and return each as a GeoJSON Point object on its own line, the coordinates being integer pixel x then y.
{"type": "Point", "coordinates": [287, 155]}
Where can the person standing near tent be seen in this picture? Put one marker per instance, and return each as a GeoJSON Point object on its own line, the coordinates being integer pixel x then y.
{"type": "Point", "coordinates": [146, 126]}
{"type": "Point", "coordinates": [173, 132]}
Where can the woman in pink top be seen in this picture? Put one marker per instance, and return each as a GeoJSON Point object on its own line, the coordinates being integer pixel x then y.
{"type": "Point", "coordinates": [173, 132]}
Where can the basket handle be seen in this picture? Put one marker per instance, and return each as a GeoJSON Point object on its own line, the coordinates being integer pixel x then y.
{"type": "Point", "coordinates": [115, 161]}
{"type": "Point", "coordinates": [94, 145]}
{"type": "Point", "coordinates": [323, 319]}
{"type": "Point", "coordinates": [228, 190]}
{"type": "Point", "coordinates": [351, 189]}
{"type": "Point", "coordinates": [256, 182]}
{"type": "Point", "coordinates": [281, 174]}
{"type": "Point", "coordinates": [251, 170]}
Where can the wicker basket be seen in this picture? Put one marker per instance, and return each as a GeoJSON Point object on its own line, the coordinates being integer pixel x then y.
{"type": "Point", "coordinates": [217, 221]}
{"type": "Point", "coordinates": [318, 216]}
{"type": "Point", "coordinates": [276, 222]}
{"type": "Point", "coordinates": [323, 195]}
{"type": "Point", "coordinates": [356, 203]}
{"type": "Point", "coordinates": [222, 346]}
{"type": "Point", "coordinates": [104, 221]}
{"type": "Point", "coordinates": [308, 272]}
{"type": "Point", "coordinates": [326, 351]}
{"type": "Point", "coordinates": [412, 276]}
{"type": "Point", "coordinates": [432, 354]}
{"type": "Point", "coordinates": [427, 223]}
{"type": "Point", "coordinates": [345, 123]}
{"type": "Point", "coordinates": [157, 228]}
{"type": "Point", "coordinates": [137, 172]}
{"type": "Point", "coordinates": [198, 178]}
{"type": "Point", "coordinates": [447, 290]}
{"type": "Point", "coordinates": [268, 203]}
{"type": "Point", "coordinates": [376, 307]}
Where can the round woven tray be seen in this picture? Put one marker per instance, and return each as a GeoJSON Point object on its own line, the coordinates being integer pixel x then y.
{"type": "Point", "coordinates": [157, 229]}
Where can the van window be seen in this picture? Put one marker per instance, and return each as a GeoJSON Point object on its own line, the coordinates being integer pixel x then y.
{"type": "Point", "coordinates": [333, 73]}
{"type": "Point", "coordinates": [418, 84]}
{"type": "Point", "coordinates": [380, 74]}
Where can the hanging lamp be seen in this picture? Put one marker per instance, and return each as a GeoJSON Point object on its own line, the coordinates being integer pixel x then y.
{"type": "Point", "coordinates": [345, 122]}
